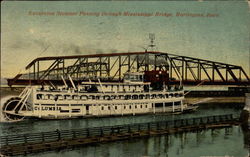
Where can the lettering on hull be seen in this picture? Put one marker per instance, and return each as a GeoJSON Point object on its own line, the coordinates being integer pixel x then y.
{"type": "Point", "coordinates": [36, 108]}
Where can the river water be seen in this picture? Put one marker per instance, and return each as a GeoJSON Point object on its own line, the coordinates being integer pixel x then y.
{"type": "Point", "coordinates": [226, 142]}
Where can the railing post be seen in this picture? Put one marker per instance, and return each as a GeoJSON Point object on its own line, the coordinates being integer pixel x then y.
{"type": "Point", "coordinates": [43, 137]}
{"type": "Point", "coordinates": [214, 119]}
{"type": "Point", "coordinates": [25, 138]}
{"type": "Point", "coordinates": [220, 118]}
{"type": "Point", "coordinates": [129, 129]}
{"type": "Point", "coordinates": [118, 130]}
{"type": "Point", "coordinates": [226, 118]}
{"type": "Point", "coordinates": [74, 134]}
{"type": "Point", "coordinates": [112, 130]}
{"type": "Point", "coordinates": [58, 134]}
{"type": "Point", "coordinates": [231, 116]}
{"type": "Point", "coordinates": [101, 131]}
{"type": "Point", "coordinates": [88, 134]}
{"type": "Point", "coordinates": [148, 126]}
{"type": "Point", "coordinates": [157, 125]}
{"type": "Point", "coordinates": [201, 120]}
{"type": "Point", "coordinates": [166, 125]}
{"type": "Point", "coordinates": [7, 141]}
{"type": "Point", "coordinates": [182, 122]}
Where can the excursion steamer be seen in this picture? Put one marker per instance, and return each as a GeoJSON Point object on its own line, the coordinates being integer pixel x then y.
{"type": "Point", "coordinates": [133, 96]}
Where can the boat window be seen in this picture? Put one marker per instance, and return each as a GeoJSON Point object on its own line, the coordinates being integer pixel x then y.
{"type": "Point", "coordinates": [129, 106]}
{"type": "Point", "coordinates": [141, 106]}
{"type": "Point", "coordinates": [46, 97]}
{"type": "Point", "coordinates": [75, 110]}
{"type": "Point", "coordinates": [177, 103]}
{"type": "Point", "coordinates": [58, 97]}
{"type": "Point", "coordinates": [107, 97]}
{"type": "Point", "coordinates": [116, 107]}
{"type": "Point", "coordinates": [141, 77]}
{"type": "Point", "coordinates": [132, 77]}
{"type": "Point", "coordinates": [141, 96]}
{"type": "Point", "coordinates": [47, 104]}
{"type": "Point", "coordinates": [62, 104]}
{"type": "Point", "coordinates": [166, 95]}
{"type": "Point", "coordinates": [84, 97]}
{"type": "Point", "coordinates": [153, 96]}
{"type": "Point", "coordinates": [169, 104]}
{"type": "Point", "coordinates": [76, 97]}
{"type": "Point", "coordinates": [160, 96]}
{"type": "Point", "coordinates": [121, 97]}
{"type": "Point", "coordinates": [127, 97]}
{"type": "Point", "coordinates": [124, 107]}
{"type": "Point", "coordinates": [135, 96]}
{"type": "Point", "coordinates": [135, 106]}
{"type": "Point", "coordinates": [158, 104]}
{"type": "Point", "coordinates": [146, 106]}
{"type": "Point", "coordinates": [64, 111]}
{"type": "Point", "coordinates": [126, 77]}
{"type": "Point", "coordinates": [76, 104]}
{"type": "Point", "coordinates": [108, 107]}
{"type": "Point", "coordinates": [50, 96]}
{"type": "Point", "coordinates": [67, 97]}
{"type": "Point", "coordinates": [102, 107]}
{"type": "Point", "coordinates": [40, 96]}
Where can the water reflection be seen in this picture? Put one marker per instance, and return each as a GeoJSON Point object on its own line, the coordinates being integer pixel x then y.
{"type": "Point", "coordinates": [218, 142]}
{"type": "Point", "coordinates": [214, 142]}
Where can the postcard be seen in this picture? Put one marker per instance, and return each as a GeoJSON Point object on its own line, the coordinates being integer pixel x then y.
{"type": "Point", "coordinates": [125, 78]}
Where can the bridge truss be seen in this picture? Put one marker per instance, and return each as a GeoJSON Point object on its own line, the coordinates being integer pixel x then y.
{"type": "Point", "coordinates": [111, 67]}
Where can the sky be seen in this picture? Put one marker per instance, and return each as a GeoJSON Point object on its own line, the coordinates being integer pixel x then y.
{"type": "Point", "coordinates": [25, 35]}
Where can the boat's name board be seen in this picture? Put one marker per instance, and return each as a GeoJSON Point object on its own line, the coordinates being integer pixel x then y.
{"type": "Point", "coordinates": [47, 108]}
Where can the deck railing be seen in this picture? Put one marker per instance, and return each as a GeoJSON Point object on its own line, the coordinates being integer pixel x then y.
{"type": "Point", "coordinates": [57, 135]}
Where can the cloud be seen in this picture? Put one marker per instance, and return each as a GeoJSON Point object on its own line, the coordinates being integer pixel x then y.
{"type": "Point", "coordinates": [75, 49]}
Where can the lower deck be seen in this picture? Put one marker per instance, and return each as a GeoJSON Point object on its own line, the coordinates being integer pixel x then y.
{"type": "Point", "coordinates": [59, 111]}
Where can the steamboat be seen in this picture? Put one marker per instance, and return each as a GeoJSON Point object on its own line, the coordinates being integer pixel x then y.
{"type": "Point", "coordinates": [133, 96]}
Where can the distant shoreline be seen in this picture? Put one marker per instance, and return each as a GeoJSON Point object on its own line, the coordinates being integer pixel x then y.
{"type": "Point", "coordinates": [7, 91]}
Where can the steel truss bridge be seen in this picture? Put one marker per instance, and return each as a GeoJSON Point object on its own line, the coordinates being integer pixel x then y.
{"type": "Point", "coordinates": [111, 67]}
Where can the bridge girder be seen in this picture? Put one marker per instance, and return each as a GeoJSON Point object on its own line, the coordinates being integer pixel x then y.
{"type": "Point", "coordinates": [111, 67]}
